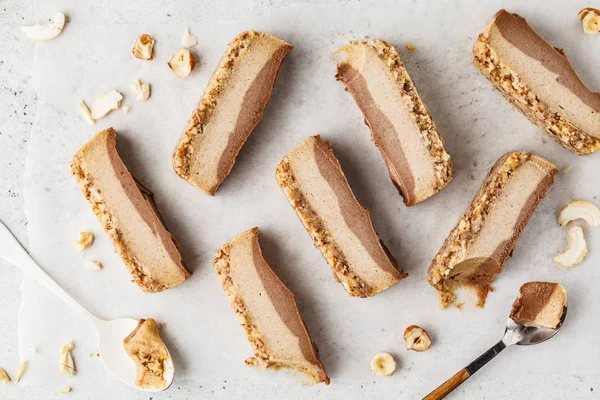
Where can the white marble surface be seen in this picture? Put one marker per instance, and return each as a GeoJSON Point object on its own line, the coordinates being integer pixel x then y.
{"type": "Point", "coordinates": [18, 102]}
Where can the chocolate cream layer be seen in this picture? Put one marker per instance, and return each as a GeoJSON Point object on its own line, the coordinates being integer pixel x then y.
{"type": "Point", "coordinates": [540, 81]}
{"type": "Point", "coordinates": [312, 179]}
{"type": "Point", "coordinates": [128, 214]}
{"type": "Point", "coordinates": [230, 108]}
{"type": "Point", "coordinates": [540, 304]}
{"type": "Point", "coordinates": [266, 309]}
{"type": "Point", "coordinates": [401, 126]}
{"type": "Point", "coordinates": [477, 248]}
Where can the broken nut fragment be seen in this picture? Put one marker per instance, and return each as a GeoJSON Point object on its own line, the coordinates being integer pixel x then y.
{"type": "Point", "coordinates": [105, 103]}
{"type": "Point", "coordinates": [94, 266]}
{"type": "Point", "coordinates": [85, 111]}
{"type": "Point", "coordinates": [143, 48]}
{"type": "Point", "coordinates": [182, 63]}
{"type": "Point", "coordinates": [20, 371]}
{"type": "Point", "coordinates": [67, 366]}
{"type": "Point", "coordinates": [579, 209]}
{"type": "Point", "coordinates": [85, 240]}
{"type": "Point", "coordinates": [577, 250]}
{"type": "Point", "coordinates": [188, 40]}
{"type": "Point", "coordinates": [141, 90]}
{"type": "Point", "coordinates": [416, 338]}
{"type": "Point", "coordinates": [4, 376]}
{"type": "Point", "coordinates": [43, 32]}
{"type": "Point", "coordinates": [383, 364]}
{"type": "Point", "coordinates": [590, 18]}
{"type": "Point", "coordinates": [63, 389]}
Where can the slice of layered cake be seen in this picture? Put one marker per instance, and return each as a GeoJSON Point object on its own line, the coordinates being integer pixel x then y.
{"type": "Point", "coordinates": [313, 181]}
{"type": "Point", "coordinates": [540, 304]}
{"type": "Point", "coordinates": [128, 214]}
{"type": "Point", "coordinates": [266, 309]}
{"type": "Point", "coordinates": [539, 81]}
{"type": "Point", "coordinates": [230, 108]}
{"type": "Point", "coordinates": [401, 126]}
{"type": "Point", "coordinates": [483, 239]}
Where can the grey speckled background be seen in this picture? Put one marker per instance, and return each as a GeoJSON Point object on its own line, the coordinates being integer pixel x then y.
{"type": "Point", "coordinates": [18, 107]}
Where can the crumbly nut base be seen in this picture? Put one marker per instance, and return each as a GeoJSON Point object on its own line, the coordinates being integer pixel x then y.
{"type": "Point", "coordinates": [322, 240]}
{"type": "Point", "coordinates": [455, 247]}
{"type": "Point", "coordinates": [419, 112]}
{"type": "Point", "coordinates": [201, 115]}
{"type": "Point", "coordinates": [262, 356]}
{"type": "Point", "coordinates": [144, 280]}
{"type": "Point", "coordinates": [523, 98]}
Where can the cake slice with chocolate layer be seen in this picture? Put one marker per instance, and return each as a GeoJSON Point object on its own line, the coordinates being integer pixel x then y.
{"type": "Point", "coordinates": [128, 214]}
{"type": "Point", "coordinates": [313, 181]}
{"type": "Point", "coordinates": [266, 309]}
{"type": "Point", "coordinates": [477, 248]}
{"type": "Point", "coordinates": [539, 81]}
{"type": "Point", "coordinates": [230, 108]}
{"type": "Point", "coordinates": [400, 123]}
{"type": "Point", "coordinates": [540, 304]}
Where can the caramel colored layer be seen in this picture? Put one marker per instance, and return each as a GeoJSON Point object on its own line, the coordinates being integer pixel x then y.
{"type": "Point", "coordinates": [266, 309]}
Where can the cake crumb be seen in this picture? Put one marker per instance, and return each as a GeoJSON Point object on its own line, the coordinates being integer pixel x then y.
{"type": "Point", "coordinates": [410, 46]}
{"type": "Point", "coordinates": [21, 370]}
{"type": "Point", "coordinates": [63, 389]}
{"type": "Point", "coordinates": [567, 170]}
{"type": "Point", "coordinates": [4, 376]}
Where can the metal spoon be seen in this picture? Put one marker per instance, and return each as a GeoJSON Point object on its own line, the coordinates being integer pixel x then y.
{"type": "Point", "coordinates": [110, 333]}
{"type": "Point", "coordinates": [514, 334]}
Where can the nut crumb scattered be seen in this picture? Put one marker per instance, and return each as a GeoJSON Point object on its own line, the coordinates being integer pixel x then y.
{"type": "Point", "coordinates": [63, 389]}
{"type": "Point", "coordinates": [94, 266]}
{"type": "Point", "coordinates": [126, 109]}
{"type": "Point", "coordinates": [143, 48]}
{"type": "Point", "coordinates": [85, 111]}
{"type": "Point", "coordinates": [85, 240]}
{"type": "Point", "coordinates": [33, 349]}
{"type": "Point", "coordinates": [4, 376]}
{"type": "Point", "coordinates": [410, 46]}
{"type": "Point", "coordinates": [567, 170]}
{"type": "Point", "coordinates": [21, 370]}
{"type": "Point", "coordinates": [188, 40]}
{"type": "Point", "coordinates": [141, 90]}
{"type": "Point", "coordinates": [590, 18]}
{"type": "Point", "coordinates": [67, 366]}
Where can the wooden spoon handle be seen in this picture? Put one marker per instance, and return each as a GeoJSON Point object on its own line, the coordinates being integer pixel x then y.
{"type": "Point", "coordinates": [448, 386]}
{"type": "Point", "coordinates": [462, 375]}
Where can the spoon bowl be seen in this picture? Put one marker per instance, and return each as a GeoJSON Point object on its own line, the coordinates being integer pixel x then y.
{"type": "Point", "coordinates": [528, 335]}
{"type": "Point", "coordinates": [116, 359]}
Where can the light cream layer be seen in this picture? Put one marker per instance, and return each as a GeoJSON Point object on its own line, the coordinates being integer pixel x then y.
{"type": "Point", "coordinates": [283, 345]}
{"type": "Point", "coordinates": [544, 83]}
{"type": "Point", "coordinates": [323, 201]}
{"type": "Point", "coordinates": [500, 223]}
{"type": "Point", "coordinates": [211, 144]}
{"type": "Point", "coordinates": [388, 97]}
{"type": "Point", "coordinates": [138, 237]}
{"type": "Point", "coordinates": [551, 314]}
